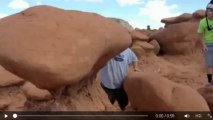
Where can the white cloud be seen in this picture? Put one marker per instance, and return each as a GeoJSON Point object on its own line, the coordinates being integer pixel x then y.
{"type": "Point", "coordinates": [158, 9]}
{"type": "Point", "coordinates": [18, 4]}
{"type": "Point", "coordinates": [2, 15]}
{"type": "Point", "coordinates": [87, 0]}
{"type": "Point", "coordinates": [128, 2]}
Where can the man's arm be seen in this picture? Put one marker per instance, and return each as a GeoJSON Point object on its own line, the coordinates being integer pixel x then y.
{"type": "Point", "coordinates": [201, 31]}
{"type": "Point", "coordinates": [204, 48]}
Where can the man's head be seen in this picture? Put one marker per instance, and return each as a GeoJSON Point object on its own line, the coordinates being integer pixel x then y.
{"type": "Point", "coordinates": [209, 10]}
{"type": "Point", "coordinates": [209, 14]}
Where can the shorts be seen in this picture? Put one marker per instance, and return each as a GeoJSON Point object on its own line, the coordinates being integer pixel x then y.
{"type": "Point", "coordinates": [117, 94]}
{"type": "Point", "coordinates": [208, 56]}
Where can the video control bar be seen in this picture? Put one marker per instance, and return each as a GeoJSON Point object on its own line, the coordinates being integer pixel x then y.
{"type": "Point", "coordinates": [105, 116]}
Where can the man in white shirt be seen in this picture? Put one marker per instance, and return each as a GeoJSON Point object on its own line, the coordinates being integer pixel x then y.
{"type": "Point", "coordinates": [113, 75]}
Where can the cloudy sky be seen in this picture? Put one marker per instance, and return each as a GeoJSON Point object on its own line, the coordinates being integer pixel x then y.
{"type": "Point", "coordinates": [139, 13]}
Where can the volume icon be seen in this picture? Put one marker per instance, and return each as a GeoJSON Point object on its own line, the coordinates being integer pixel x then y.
{"type": "Point", "coordinates": [5, 115]}
{"type": "Point", "coordinates": [187, 116]}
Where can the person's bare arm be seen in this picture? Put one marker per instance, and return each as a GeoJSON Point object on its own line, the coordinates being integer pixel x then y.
{"type": "Point", "coordinates": [204, 48]}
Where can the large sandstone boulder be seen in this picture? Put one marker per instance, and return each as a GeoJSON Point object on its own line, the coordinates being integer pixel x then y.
{"type": "Point", "coordinates": [181, 38]}
{"type": "Point", "coordinates": [151, 92]}
{"type": "Point", "coordinates": [52, 47]}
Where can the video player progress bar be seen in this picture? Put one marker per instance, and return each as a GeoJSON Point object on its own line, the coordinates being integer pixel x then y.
{"type": "Point", "coordinates": [82, 115]}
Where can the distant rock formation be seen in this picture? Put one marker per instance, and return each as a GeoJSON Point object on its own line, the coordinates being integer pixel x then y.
{"type": "Point", "coordinates": [180, 34]}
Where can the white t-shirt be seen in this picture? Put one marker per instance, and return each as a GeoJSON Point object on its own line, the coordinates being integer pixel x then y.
{"type": "Point", "coordinates": [112, 75]}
